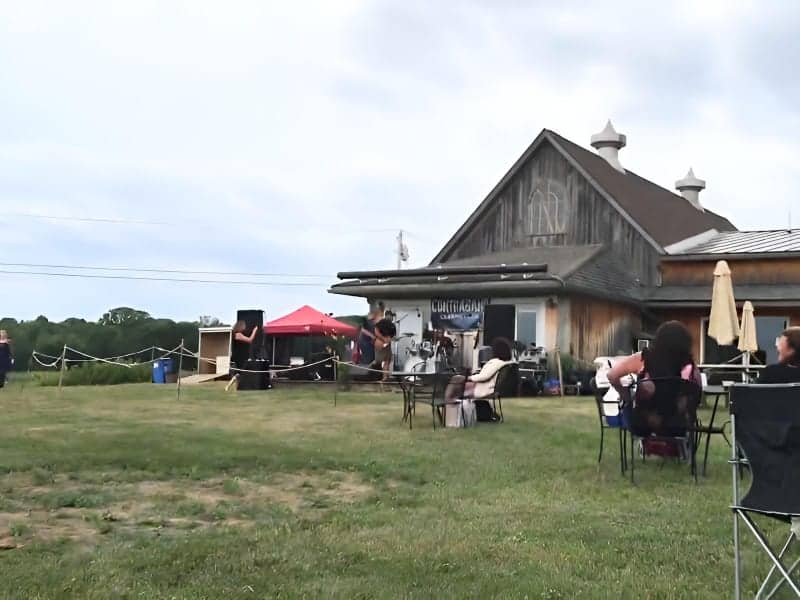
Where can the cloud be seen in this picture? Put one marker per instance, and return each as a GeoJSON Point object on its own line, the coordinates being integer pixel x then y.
{"type": "Point", "coordinates": [296, 137]}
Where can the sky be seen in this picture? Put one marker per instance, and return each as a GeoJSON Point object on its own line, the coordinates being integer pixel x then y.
{"type": "Point", "coordinates": [297, 138]}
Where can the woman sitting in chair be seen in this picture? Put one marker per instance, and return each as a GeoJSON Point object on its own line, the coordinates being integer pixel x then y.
{"type": "Point", "coordinates": [668, 358]}
{"type": "Point", "coordinates": [787, 369]}
{"type": "Point", "coordinates": [481, 384]}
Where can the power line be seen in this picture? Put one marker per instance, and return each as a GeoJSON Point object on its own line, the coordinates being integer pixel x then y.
{"type": "Point", "coordinates": [152, 270]}
{"type": "Point", "coordinates": [172, 279]}
{"type": "Point", "coordinates": [85, 219]}
{"type": "Point", "coordinates": [183, 221]}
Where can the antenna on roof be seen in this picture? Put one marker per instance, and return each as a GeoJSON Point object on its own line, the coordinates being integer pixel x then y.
{"type": "Point", "coordinates": [402, 251]}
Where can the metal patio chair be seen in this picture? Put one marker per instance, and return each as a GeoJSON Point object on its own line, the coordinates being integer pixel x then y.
{"type": "Point", "coordinates": [765, 435]}
{"type": "Point", "coordinates": [430, 390]}
{"type": "Point", "coordinates": [610, 421]}
{"type": "Point", "coordinates": [673, 405]}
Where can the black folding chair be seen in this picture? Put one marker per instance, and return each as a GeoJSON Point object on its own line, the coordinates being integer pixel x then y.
{"type": "Point", "coordinates": [765, 434]}
{"type": "Point", "coordinates": [506, 386]}
{"type": "Point", "coordinates": [663, 409]}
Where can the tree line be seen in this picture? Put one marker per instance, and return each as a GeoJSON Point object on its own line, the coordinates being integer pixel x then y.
{"type": "Point", "coordinates": [118, 331]}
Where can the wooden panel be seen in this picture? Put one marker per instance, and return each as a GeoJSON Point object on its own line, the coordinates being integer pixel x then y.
{"type": "Point", "coordinates": [548, 203]}
{"type": "Point", "coordinates": [212, 345]}
{"type": "Point", "coordinates": [600, 328]}
{"type": "Point", "coordinates": [759, 271]}
{"type": "Point", "coordinates": [551, 325]}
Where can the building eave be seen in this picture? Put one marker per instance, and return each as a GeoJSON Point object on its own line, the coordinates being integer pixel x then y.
{"type": "Point", "coordinates": [732, 257]}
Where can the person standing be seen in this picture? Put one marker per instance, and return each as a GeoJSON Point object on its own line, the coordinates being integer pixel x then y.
{"type": "Point", "coordinates": [6, 359]}
{"type": "Point", "coordinates": [240, 350]}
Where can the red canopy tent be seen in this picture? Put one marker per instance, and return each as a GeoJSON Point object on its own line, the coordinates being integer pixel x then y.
{"type": "Point", "coordinates": [309, 321]}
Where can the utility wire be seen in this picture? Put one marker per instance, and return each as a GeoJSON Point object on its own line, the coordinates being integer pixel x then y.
{"type": "Point", "coordinates": [123, 221]}
{"type": "Point", "coordinates": [173, 279]}
{"type": "Point", "coordinates": [172, 271]}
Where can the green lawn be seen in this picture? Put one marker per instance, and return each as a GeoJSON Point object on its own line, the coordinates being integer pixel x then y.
{"type": "Point", "coordinates": [124, 492]}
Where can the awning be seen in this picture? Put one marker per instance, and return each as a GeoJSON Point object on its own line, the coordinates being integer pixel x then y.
{"type": "Point", "coordinates": [309, 321]}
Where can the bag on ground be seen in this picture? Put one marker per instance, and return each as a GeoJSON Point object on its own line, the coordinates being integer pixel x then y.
{"type": "Point", "coordinates": [484, 412]}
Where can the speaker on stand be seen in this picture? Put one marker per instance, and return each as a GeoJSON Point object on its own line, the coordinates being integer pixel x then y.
{"type": "Point", "coordinates": [499, 320]}
{"type": "Point", "coordinates": [250, 358]}
{"type": "Point", "coordinates": [253, 318]}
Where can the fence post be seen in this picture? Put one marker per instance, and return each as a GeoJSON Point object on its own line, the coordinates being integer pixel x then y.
{"type": "Point", "coordinates": [63, 366]}
{"type": "Point", "coordinates": [180, 367]}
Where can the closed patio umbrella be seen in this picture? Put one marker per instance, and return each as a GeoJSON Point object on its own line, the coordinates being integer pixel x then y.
{"type": "Point", "coordinates": [723, 323]}
{"type": "Point", "coordinates": [748, 341]}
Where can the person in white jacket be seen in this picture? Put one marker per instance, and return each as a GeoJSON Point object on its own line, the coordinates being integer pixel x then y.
{"type": "Point", "coordinates": [481, 384]}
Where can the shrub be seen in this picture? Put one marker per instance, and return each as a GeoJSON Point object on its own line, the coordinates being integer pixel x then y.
{"type": "Point", "coordinates": [96, 374]}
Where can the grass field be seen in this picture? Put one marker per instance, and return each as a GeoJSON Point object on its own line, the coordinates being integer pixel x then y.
{"type": "Point", "coordinates": [124, 492]}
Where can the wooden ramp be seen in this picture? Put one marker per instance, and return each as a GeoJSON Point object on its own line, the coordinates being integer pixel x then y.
{"type": "Point", "coordinates": [195, 379]}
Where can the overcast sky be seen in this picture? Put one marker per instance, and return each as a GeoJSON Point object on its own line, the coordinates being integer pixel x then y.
{"type": "Point", "coordinates": [296, 137]}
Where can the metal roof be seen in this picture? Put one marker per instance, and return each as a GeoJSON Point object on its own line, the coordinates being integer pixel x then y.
{"type": "Point", "coordinates": [748, 242]}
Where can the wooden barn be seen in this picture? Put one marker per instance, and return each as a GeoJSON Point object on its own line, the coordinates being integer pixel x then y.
{"type": "Point", "coordinates": [590, 256]}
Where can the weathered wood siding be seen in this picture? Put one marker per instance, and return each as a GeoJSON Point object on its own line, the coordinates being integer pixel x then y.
{"type": "Point", "coordinates": [601, 328]}
{"type": "Point", "coordinates": [549, 203]}
{"type": "Point", "coordinates": [750, 271]}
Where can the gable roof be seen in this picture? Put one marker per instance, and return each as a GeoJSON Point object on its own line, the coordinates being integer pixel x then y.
{"type": "Point", "coordinates": [661, 216]}
{"type": "Point", "coordinates": [666, 216]}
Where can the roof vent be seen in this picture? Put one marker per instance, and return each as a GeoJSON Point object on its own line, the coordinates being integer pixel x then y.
{"type": "Point", "coordinates": [690, 188]}
{"type": "Point", "coordinates": [608, 143]}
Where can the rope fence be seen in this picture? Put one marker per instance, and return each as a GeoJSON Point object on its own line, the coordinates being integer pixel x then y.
{"type": "Point", "coordinates": [180, 351]}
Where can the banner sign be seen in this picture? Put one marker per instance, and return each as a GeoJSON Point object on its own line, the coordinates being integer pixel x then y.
{"type": "Point", "coordinates": [457, 314]}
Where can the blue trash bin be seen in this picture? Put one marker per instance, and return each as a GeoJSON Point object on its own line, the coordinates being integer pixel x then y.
{"type": "Point", "coordinates": [169, 365]}
{"type": "Point", "coordinates": [159, 373]}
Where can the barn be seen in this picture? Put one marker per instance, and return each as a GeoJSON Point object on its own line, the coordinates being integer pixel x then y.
{"type": "Point", "coordinates": [570, 250]}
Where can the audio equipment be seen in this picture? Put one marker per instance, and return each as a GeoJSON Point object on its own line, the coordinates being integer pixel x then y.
{"type": "Point", "coordinates": [255, 375]}
{"type": "Point", "coordinates": [252, 318]}
{"type": "Point", "coordinates": [499, 320]}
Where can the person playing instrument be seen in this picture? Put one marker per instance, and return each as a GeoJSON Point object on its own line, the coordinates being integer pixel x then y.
{"type": "Point", "coordinates": [367, 343]}
{"type": "Point", "coordinates": [787, 369]}
{"type": "Point", "coordinates": [385, 331]}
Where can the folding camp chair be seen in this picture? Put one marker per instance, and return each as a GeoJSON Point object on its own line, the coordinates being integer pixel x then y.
{"type": "Point", "coordinates": [610, 417]}
{"type": "Point", "coordinates": [765, 434]}
{"type": "Point", "coordinates": [667, 414]}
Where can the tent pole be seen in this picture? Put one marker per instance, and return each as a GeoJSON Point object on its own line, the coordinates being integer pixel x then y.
{"type": "Point", "coordinates": [180, 366]}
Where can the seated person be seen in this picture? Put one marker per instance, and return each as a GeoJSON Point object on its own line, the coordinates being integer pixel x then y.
{"type": "Point", "coordinates": [787, 369]}
{"type": "Point", "coordinates": [669, 355]}
{"type": "Point", "coordinates": [481, 384]}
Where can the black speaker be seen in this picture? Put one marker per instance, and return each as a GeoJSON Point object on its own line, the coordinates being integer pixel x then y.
{"type": "Point", "coordinates": [255, 375]}
{"type": "Point", "coordinates": [499, 320]}
{"type": "Point", "coordinates": [253, 318]}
